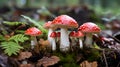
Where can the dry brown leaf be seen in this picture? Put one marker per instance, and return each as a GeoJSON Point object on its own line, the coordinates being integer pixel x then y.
{"type": "Point", "coordinates": [43, 45]}
{"type": "Point", "coordinates": [44, 42]}
{"type": "Point", "coordinates": [24, 55]}
{"type": "Point", "coordinates": [88, 64]}
{"type": "Point", "coordinates": [94, 64]}
{"type": "Point", "coordinates": [26, 65]}
{"type": "Point", "coordinates": [48, 61]}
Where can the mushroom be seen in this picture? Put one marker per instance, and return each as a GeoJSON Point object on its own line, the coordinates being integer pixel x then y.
{"type": "Point", "coordinates": [53, 35]}
{"type": "Point", "coordinates": [64, 22]}
{"type": "Point", "coordinates": [72, 36]}
{"type": "Point", "coordinates": [88, 29]}
{"type": "Point", "coordinates": [50, 30]}
{"type": "Point", "coordinates": [33, 32]}
{"type": "Point", "coordinates": [80, 35]}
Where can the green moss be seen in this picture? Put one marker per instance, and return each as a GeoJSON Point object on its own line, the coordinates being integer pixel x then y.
{"type": "Point", "coordinates": [92, 54]}
{"type": "Point", "coordinates": [67, 59]}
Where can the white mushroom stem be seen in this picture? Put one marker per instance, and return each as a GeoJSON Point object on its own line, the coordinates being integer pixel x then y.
{"type": "Point", "coordinates": [51, 40]}
{"type": "Point", "coordinates": [73, 41]}
{"type": "Point", "coordinates": [64, 40]}
{"type": "Point", "coordinates": [88, 40]}
{"type": "Point", "coordinates": [80, 43]}
{"type": "Point", "coordinates": [49, 33]}
{"type": "Point", "coordinates": [33, 41]}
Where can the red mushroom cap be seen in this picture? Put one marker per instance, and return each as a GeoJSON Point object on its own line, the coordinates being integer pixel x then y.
{"type": "Point", "coordinates": [79, 34]}
{"type": "Point", "coordinates": [47, 24]}
{"type": "Point", "coordinates": [33, 31]}
{"type": "Point", "coordinates": [58, 34]}
{"type": "Point", "coordinates": [89, 27]}
{"type": "Point", "coordinates": [72, 34]}
{"type": "Point", "coordinates": [65, 21]}
{"type": "Point", "coordinates": [53, 34]}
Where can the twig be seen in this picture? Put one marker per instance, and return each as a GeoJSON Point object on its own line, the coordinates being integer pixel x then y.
{"type": "Point", "coordinates": [105, 58]}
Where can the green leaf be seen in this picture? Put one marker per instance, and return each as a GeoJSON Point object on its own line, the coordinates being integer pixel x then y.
{"type": "Point", "coordinates": [11, 48]}
{"type": "Point", "coordinates": [35, 23]}
{"type": "Point", "coordinates": [19, 38]}
{"type": "Point", "coordinates": [96, 46]}
{"type": "Point", "coordinates": [20, 31]}
{"type": "Point", "coordinates": [13, 23]}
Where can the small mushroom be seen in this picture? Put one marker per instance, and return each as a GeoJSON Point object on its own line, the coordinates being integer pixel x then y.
{"type": "Point", "coordinates": [50, 30]}
{"type": "Point", "coordinates": [33, 32]}
{"type": "Point", "coordinates": [53, 35]}
{"type": "Point", "coordinates": [89, 29]}
{"type": "Point", "coordinates": [80, 35]}
{"type": "Point", "coordinates": [64, 22]}
{"type": "Point", "coordinates": [72, 36]}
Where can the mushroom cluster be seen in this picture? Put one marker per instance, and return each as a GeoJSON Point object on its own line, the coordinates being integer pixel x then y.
{"type": "Point", "coordinates": [65, 22]}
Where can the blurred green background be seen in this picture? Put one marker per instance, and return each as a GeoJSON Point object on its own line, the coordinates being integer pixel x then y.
{"type": "Point", "coordinates": [100, 6]}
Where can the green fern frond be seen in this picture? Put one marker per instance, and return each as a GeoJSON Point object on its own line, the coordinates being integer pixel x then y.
{"type": "Point", "coordinates": [13, 23]}
{"type": "Point", "coordinates": [19, 38]}
{"type": "Point", "coordinates": [11, 48]}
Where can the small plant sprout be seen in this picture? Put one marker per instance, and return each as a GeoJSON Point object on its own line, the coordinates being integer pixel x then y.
{"type": "Point", "coordinates": [33, 32]}
{"type": "Point", "coordinates": [89, 29]}
{"type": "Point", "coordinates": [64, 22]}
{"type": "Point", "coordinates": [80, 35]}
{"type": "Point", "coordinates": [53, 35]}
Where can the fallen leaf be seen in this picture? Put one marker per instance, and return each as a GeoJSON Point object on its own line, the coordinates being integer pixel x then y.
{"type": "Point", "coordinates": [88, 64]}
{"type": "Point", "coordinates": [44, 42]}
{"type": "Point", "coordinates": [26, 65]}
{"type": "Point", "coordinates": [48, 61]}
{"type": "Point", "coordinates": [24, 55]}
